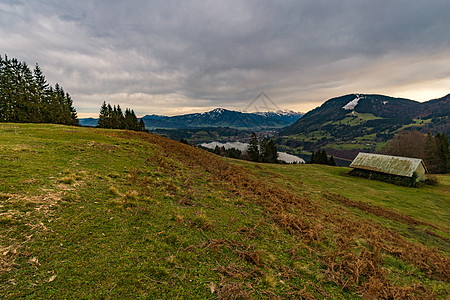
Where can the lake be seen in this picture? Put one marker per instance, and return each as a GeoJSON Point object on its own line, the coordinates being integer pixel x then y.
{"type": "Point", "coordinates": [289, 158]}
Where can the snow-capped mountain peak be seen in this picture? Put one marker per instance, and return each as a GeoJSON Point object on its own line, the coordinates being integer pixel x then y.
{"type": "Point", "coordinates": [215, 112]}
{"type": "Point", "coordinates": [218, 110]}
{"type": "Point", "coordinates": [279, 112]}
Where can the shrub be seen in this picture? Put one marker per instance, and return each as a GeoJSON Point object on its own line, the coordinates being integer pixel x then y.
{"type": "Point", "coordinates": [130, 199]}
{"type": "Point", "coordinates": [202, 221]}
{"type": "Point", "coordinates": [113, 191]}
{"type": "Point", "coordinates": [269, 281]}
{"type": "Point", "coordinates": [431, 180]}
{"type": "Point", "coordinates": [131, 196]}
{"type": "Point", "coordinates": [70, 196]}
{"type": "Point", "coordinates": [67, 180]}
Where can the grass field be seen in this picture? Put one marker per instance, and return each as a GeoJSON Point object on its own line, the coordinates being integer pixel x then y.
{"type": "Point", "coordinates": [90, 213]}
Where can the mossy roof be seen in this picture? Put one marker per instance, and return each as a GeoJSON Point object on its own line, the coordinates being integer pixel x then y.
{"type": "Point", "coordinates": [396, 165]}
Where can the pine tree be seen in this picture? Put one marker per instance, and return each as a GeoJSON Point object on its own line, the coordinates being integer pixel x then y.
{"type": "Point", "coordinates": [25, 96]}
{"type": "Point", "coordinates": [253, 148]}
{"type": "Point", "coordinates": [113, 117]}
{"type": "Point", "coordinates": [443, 152]}
{"type": "Point", "coordinates": [273, 157]}
{"type": "Point", "coordinates": [129, 120]}
{"type": "Point", "coordinates": [41, 92]}
{"type": "Point", "coordinates": [141, 125]}
{"type": "Point", "coordinates": [55, 110]}
{"type": "Point", "coordinates": [268, 151]}
{"type": "Point", "coordinates": [321, 157]}
{"type": "Point", "coordinates": [73, 118]}
{"type": "Point", "coordinates": [134, 122]}
{"type": "Point", "coordinates": [120, 118]}
{"type": "Point", "coordinates": [432, 157]}
{"type": "Point", "coordinates": [109, 116]}
{"type": "Point", "coordinates": [312, 159]}
{"type": "Point", "coordinates": [2, 92]}
{"type": "Point", "coordinates": [102, 116]}
{"type": "Point", "coordinates": [331, 161]}
{"type": "Point", "coordinates": [264, 151]}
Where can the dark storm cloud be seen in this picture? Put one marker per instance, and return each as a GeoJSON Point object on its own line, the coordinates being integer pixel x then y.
{"type": "Point", "coordinates": [160, 56]}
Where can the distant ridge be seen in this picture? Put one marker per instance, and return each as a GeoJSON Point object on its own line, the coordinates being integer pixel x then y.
{"type": "Point", "coordinates": [356, 122]}
{"type": "Point", "coordinates": [218, 117]}
{"type": "Point", "coordinates": [395, 111]}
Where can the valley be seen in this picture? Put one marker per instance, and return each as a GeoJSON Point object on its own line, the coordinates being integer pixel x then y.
{"type": "Point", "coordinates": [342, 126]}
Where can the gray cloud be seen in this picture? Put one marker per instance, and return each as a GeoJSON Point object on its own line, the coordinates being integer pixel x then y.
{"type": "Point", "coordinates": [179, 56]}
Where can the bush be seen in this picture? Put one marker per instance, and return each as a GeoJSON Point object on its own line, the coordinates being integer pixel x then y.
{"type": "Point", "coordinates": [202, 221]}
{"type": "Point", "coordinates": [113, 191]}
{"type": "Point", "coordinates": [67, 180]}
{"type": "Point", "coordinates": [431, 181]}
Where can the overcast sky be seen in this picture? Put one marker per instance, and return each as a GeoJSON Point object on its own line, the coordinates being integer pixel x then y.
{"type": "Point", "coordinates": [173, 57]}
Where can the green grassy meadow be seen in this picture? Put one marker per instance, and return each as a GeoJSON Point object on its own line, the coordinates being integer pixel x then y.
{"type": "Point", "coordinates": [92, 213]}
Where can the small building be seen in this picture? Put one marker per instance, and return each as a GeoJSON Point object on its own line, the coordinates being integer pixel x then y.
{"type": "Point", "coordinates": [388, 164]}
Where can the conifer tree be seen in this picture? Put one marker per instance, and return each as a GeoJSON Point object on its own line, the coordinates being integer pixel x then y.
{"type": "Point", "coordinates": [264, 151]}
{"type": "Point", "coordinates": [253, 148]}
{"type": "Point", "coordinates": [443, 151]}
{"type": "Point", "coordinates": [272, 152]}
{"type": "Point", "coordinates": [432, 157]}
{"type": "Point", "coordinates": [312, 159]}
{"type": "Point", "coordinates": [73, 118]}
{"type": "Point", "coordinates": [331, 161]}
{"type": "Point", "coordinates": [113, 117]}
{"type": "Point", "coordinates": [141, 125]}
{"type": "Point", "coordinates": [119, 118]}
{"type": "Point", "coordinates": [109, 116]}
{"type": "Point", "coordinates": [25, 96]}
{"type": "Point", "coordinates": [321, 157]}
{"type": "Point", "coordinates": [102, 115]}
{"type": "Point", "coordinates": [268, 151]}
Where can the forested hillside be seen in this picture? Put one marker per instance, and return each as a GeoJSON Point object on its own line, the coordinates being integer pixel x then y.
{"type": "Point", "coordinates": [358, 122]}
{"type": "Point", "coordinates": [26, 96]}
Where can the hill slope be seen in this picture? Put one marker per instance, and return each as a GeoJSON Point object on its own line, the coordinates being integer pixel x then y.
{"type": "Point", "coordinates": [92, 213]}
{"type": "Point", "coordinates": [362, 122]}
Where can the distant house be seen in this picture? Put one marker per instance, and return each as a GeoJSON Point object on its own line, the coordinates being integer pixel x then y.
{"type": "Point", "coordinates": [388, 164]}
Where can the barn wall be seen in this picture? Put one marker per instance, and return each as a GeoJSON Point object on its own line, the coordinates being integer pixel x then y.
{"type": "Point", "coordinates": [420, 171]}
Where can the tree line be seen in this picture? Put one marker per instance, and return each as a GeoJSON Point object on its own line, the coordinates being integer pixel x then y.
{"type": "Point", "coordinates": [26, 96]}
{"type": "Point", "coordinates": [321, 157]}
{"type": "Point", "coordinates": [264, 151]}
{"type": "Point", "coordinates": [113, 117]}
{"type": "Point", "coordinates": [433, 150]}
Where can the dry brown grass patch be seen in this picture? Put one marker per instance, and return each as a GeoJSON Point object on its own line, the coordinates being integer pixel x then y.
{"type": "Point", "coordinates": [233, 290]}
{"type": "Point", "coordinates": [232, 270]}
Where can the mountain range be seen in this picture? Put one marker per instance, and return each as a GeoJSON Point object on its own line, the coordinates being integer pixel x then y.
{"type": "Point", "coordinates": [218, 117]}
{"type": "Point", "coordinates": [357, 122]}
{"type": "Point", "coordinates": [343, 125]}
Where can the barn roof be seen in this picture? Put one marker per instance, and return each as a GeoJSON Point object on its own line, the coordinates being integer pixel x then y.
{"type": "Point", "coordinates": [396, 165]}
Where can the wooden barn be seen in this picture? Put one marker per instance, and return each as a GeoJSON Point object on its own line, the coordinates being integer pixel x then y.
{"type": "Point", "coordinates": [392, 165]}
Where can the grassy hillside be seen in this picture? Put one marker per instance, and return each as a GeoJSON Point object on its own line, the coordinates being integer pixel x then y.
{"type": "Point", "coordinates": [90, 213]}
